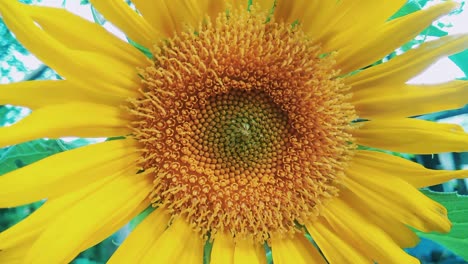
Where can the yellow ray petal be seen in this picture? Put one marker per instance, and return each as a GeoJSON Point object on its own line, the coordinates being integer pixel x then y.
{"type": "Point", "coordinates": [67, 236]}
{"type": "Point", "coordinates": [386, 165]}
{"type": "Point", "coordinates": [248, 251]}
{"type": "Point", "coordinates": [223, 249]}
{"type": "Point", "coordinates": [399, 232]}
{"type": "Point", "coordinates": [179, 242]}
{"type": "Point", "coordinates": [141, 238]}
{"type": "Point", "coordinates": [402, 68]}
{"type": "Point", "coordinates": [112, 226]}
{"type": "Point", "coordinates": [65, 172]}
{"type": "Point", "coordinates": [295, 250]}
{"type": "Point", "coordinates": [358, 231]}
{"type": "Point", "coordinates": [28, 229]}
{"type": "Point", "coordinates": [396, 199]}
{"type": "Point", "coordinates": [409, 100]}
{"type": "Point", "coordinates": [407, 135]}
{"type": "Point", "coordinates": [364, 15]}
{"type": "Point", "coordinates": [75, 119]}
{"type": "Point", "coordinates": [14, 255]}
{"type": "Point", "coordinates": [376, 44]}
{"type": "Point", "coordinates": [162, 14]}
{"type": "Point", "coordinates": [36, 94]}
{"type": "Point", "coordinates": [79, 33]}
{"type": "Point", "coordinates": [335, 250]}
{"type": "Point", "coordinates": [267, 4]}
{"type": "Point", "coordinates": [130, 22]}
{"type": "Point", "coordinates": [84, 67]}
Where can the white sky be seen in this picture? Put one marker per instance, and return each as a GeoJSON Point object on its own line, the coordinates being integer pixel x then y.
{"type": "Point", "coordinates": [443, 70]}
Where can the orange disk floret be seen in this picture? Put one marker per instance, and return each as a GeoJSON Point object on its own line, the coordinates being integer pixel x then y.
{"type": "Point", "coordinates": [244, 126]}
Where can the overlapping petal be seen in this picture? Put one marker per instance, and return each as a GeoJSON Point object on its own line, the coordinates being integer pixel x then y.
{"type": "Point", "coordinates": [406, 134]}
{"type": "Point", "coordinates": [55, 175]}
{"type": "Point", "coordinates": [114, 204]}
{"type": "Point", "coordinates": [75, 119]}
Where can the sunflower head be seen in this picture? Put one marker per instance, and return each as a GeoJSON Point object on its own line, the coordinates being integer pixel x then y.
{"type": "Point", "coordinates": [243, 124]}
{"type": "Point", "coordinates": [240, 129]}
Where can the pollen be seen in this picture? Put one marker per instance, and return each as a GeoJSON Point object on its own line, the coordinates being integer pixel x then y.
{"type": "Point", "coordinates": [243, 125]}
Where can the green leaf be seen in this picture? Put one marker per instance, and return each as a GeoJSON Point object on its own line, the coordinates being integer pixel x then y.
{"type": "Point", "coordinates": [434, 31]}
{"type": "Point", "coordinates": [461, 59]}
{"type": "Point", "coordinates": [410, 7]}
{"type": "Point", "coordinates": [457, 239]}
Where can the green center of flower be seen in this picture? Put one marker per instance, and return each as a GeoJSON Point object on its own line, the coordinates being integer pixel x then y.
{"type": "Point", "coordinates": [243, 125]}
{"type": "Point", "coordinates": [240, 129]}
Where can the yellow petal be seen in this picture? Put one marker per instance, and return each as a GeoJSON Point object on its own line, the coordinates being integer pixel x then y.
{"type": "Point", "coordinates": [409, 135]}
{"type": "Point", "coordinates": [348, 20]}
{"type": "Point", "coordinates": [399, 232]}
{"type": "Point", "coordinates": [297, 250]}
{"type": "Point", "coordinates": [169, 17]}
{"type": "Point", "coordinates": [113, 225]}
{"type": "Point", "coordinates": [142, 238]}
{"type": "Point", "coordinates": [14, 255]}
{"type": "Point", "coordinates": [67, 236]}
{"type": "Point", "coordinates": [248, 251]}
{"type": "Point", "coordinates": [81, 34]}
{"type": "Point", "coordinates": [37, 94]}
{"type": "Point", "coordinates": [84, 67]}
{"type": "Point", "coordinates": [130, 22]}
{"type": "Point", "coordinates": [75, 119]}
{"type": "Point", "coordinates": [223, 249]}
{"type": "Point", "coordinates": [364, 235]}
{"type": "Point", "coordinates": [65, 172]}
{"type": "Point", "coordinates": [28, 229]}
{"type": "Point", "coordinates": [335, 250]}
{"type": "Point", "coordinates": [375, 44]}
{"type": "Point", "coordinates": [386, 165]}
{"type": "Point", "coordinates": [396, 199]}
{"type": "Point", "coordinates": [402, 68]}
{"type": "Point", "coordinates": [179, 242]}
{"type": "Point", "coordinates": [409, 100]}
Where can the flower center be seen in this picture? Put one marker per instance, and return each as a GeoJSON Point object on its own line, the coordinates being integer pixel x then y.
{"type": "Point", "coordinates": [243, 125]}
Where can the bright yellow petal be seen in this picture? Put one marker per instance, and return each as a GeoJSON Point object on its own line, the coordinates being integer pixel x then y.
{"type": "Point", "coordinates": [334, 30]}
{"type": "Point", "coordinates": [67, 236]}
{"type": "Point", "coordinates": [403, 236]}
{"type": "Point", "coordinates": [409, 100]}
{"type": "Point", "coordinates": [409, 135]}
{"type": "Point", "coordinates": [376, 44]}
{"type": "Point", "coordinates": [297, 250]}
{"type": "Point", "coordinates": [168, 17]}
{"type": "Point", "coordinates": [67, 120]}
{"type": "Point", "coordinates": [248, 251]}
{"type": "Point", "coordinates": [179, 242]}
{"type": "Point", "coordinates": [335, 250]}
{"type": "Point", "coordinates": [113, 225]}
{"type": "Point", "coordinates": [66, 172]}
{"type": "Point", "coordinates": [402, 68]}
{"type": "Point", "coordinates": [84, 67]}
{"type": "Point", "coordinates": [130, 22]}
{"type": "Point", "coordinates": [386, 165]}
{"type": "Point", "coordinates": [223, 249]}
{"type": "Point", "coordinates": [14, 255]}
{"type": "Point", "coordinates": [37, 94]}
{"type": "Point", "coordinates": [396, 199]}
{"type": "Point", "coordinates": [81, 34]}
{"type": "Point", "coordinates": [358, 231]}
{"type": "Point", "coordinates": [28, 229]}
{"type": "Point", "coordinates": [142, 238]}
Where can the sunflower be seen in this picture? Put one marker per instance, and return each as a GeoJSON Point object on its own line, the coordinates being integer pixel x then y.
{"type": "Point", "coordinates": [240, 123]}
